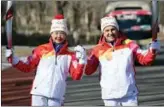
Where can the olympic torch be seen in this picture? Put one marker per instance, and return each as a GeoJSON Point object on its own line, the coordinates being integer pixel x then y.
{"type": "Point", "coordinates": [155, 15]}
{"type": "Point", "coordinates": [9, 16]}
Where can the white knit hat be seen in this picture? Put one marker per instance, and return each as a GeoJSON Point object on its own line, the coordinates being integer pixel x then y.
{"type": "Point", "coordinates": [59, 24]}
{"type": "Point", "coordinates": [106, 21]}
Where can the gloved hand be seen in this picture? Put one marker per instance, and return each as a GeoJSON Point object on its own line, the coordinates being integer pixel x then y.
{"type": "Point", "coordinates": [9, 53]}
{"type": "Point", "coordinates": [81, 54]}
{"type": "Point", "coordinates": [155, 45]}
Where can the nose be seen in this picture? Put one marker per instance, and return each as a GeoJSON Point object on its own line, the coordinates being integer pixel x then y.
{"type": "Point", "coordinates": [110, 32]}
{"type": "Point", "coordinates": [58, 34]}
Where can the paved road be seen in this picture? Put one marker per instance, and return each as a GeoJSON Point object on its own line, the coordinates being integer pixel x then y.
{"type": "Point", "coordinates": [150, 82]}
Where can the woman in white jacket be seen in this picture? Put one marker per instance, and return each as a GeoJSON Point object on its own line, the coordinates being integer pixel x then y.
{"type": "Point", "coordinates": [115, 56]}
{"type": "Point", "coordinates": [52, 62]}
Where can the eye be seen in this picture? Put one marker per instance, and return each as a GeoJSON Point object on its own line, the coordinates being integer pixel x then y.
{"type": "Point", "coordinates": [113, 30]}
{"type": "Point", "coordinates": [107, 30]}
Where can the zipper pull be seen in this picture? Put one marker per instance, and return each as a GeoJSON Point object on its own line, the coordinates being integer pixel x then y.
{"type": "Point", "coordinates": [112, 48]}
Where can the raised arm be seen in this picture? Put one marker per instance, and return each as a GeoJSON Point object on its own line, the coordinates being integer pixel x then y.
{"type": "Point", "coordinates": [145, 57]}
{"type": "Point", "coordinates": [27, 65]}
{"type": "Point", "coordinates": [76, 68]}
{"type": "Point", "coordinates": [92, 64]}
{"type": "Point", "coordinates": [78, 62]}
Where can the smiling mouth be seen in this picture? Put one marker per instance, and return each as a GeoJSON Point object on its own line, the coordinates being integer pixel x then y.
{"type": "Point", "coordinates": [59, 39]}
{"type": "Point", "coordinates": [111, 36]}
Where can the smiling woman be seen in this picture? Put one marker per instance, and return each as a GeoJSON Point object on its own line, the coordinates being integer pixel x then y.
{"type": "Point", "coordinates": [49, 85]}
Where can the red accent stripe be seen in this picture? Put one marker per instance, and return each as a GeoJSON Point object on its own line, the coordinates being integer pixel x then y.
{"type": "Point", "coordinates": [9, 45]}
{"type": "Point", "coordinates": [9, 13]}
{"type": "Point", "coordinates": [137, 12]}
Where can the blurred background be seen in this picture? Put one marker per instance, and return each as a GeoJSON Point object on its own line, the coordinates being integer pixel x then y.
{"type": "Point", "coordinates": [32, 20]}
{"type": "Point", "coordinates": [31, 26]}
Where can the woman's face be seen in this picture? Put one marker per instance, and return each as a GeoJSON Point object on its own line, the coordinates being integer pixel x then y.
{"type": "Point", "coordinates": [110, 33]}
{"type": "Point", "coordinates": [58, 36]}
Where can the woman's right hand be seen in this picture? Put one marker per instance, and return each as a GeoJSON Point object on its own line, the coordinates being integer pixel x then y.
{"type": "Point", "coordinates": [9, 55]}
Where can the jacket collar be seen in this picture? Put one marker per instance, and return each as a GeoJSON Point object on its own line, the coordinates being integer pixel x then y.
{"type": "Point", "coordinates": [63, 49]}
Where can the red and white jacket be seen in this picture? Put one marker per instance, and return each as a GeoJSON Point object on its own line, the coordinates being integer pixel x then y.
{"type": "Point", "coordinates": [116, 66]}
{"type": "Point", "coordinates": [52, 69]}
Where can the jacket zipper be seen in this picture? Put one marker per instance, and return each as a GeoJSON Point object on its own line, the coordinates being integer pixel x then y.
{"type": "Point", "coordinates": [56, 59]}
{"type": "Point", "coordinates": [112, 47]}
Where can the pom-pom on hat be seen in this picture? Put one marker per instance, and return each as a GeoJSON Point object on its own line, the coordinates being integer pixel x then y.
{"type": "Point", "coordinates": [106, 21]}
{"type": "Point", "coordinates": [58, 23]}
